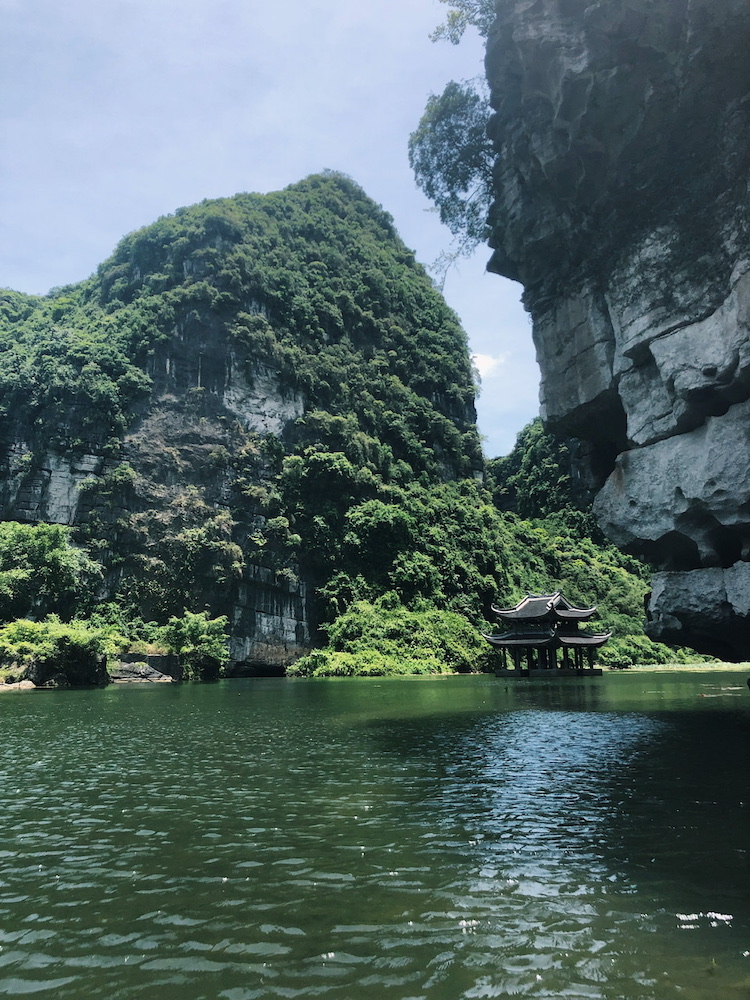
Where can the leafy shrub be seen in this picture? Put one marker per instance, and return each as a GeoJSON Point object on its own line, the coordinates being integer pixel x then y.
{"type": "Point", "coordinates": [627, 651]}
{"type": "Point", "coordinates": [385, 638]}
{"type": "Point", "coordinates": [42, 572]}
{"type": "Point", "coordinates": [51, 650]}
{"type": "Point", "coordinates": [200, 642]}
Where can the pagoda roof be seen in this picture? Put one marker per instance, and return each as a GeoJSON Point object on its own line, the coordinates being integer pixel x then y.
{"type": "Point", "coordinates": [544, 606]}
{"type": "Point", "coordinates": [523, 637]}
{"type": "Point", "coordinates": [536, 638]}
{"type": "Point", "coordinates": [590, 639]}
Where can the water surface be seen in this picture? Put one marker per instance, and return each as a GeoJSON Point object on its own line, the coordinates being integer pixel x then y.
{"type": "Point", "coordinates": [437, 839]}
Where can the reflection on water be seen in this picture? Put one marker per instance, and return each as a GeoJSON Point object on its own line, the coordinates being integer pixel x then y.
{"type": "Point", "coordinates": [432, 839]}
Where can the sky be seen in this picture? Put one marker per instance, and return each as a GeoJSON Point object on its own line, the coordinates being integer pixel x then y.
{"type": "Point", "coordinates": [115, 112]}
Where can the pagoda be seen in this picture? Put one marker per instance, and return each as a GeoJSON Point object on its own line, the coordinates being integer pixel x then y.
{"type": "Point", "coordinates": [542, 638]}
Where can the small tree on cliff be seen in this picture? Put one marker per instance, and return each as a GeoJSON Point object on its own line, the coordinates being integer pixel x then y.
{"type": "Point", "coordinates": [451, 156]}
{"type": "Point", "coordinates": [450, 152]}
{"type": "Point", "coordinates": [464, 14]}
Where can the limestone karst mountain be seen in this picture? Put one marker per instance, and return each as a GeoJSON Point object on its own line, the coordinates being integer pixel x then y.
{"type": "Point", "coordinates": [621, 182]}
{"type": "Point", "coordinates": [261, 407]}
{"type": "Point", "coordinates": [225, 362]}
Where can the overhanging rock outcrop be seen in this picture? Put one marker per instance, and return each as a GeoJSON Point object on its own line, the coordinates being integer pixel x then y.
{"type": "Point", "coordinates": [621, 182]}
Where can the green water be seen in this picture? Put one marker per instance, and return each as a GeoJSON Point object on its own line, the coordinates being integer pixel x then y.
{"type": "Point", "coordinates": [461, 837]}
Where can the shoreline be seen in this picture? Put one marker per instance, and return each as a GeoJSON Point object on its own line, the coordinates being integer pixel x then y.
{"type": "Point", "coordinates": [644, 668]}
{"type": "Point", "coordinates": [694, 668]}
{"type": "Point", "coordinates": [18, 686]}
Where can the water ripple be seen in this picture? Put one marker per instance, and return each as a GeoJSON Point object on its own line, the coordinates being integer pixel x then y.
{"type": "Point", "coordinates": [393, 841]}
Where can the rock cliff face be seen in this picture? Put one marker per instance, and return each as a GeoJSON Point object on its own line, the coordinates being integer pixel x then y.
{"type": "Point", "coordinates": [206, 408]}
{"type": "Point", "coordinates": [178, 479]}
{"type": "Point", "coordinates": [621, 187]}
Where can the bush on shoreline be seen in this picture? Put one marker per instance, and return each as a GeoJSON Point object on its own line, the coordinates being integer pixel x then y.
{"type": "Point", "coordinates": [385, 638]}
{"type": "Point", "coordinates": [54, 652]}
{"type": "Point", "coordinates": [75, 653]}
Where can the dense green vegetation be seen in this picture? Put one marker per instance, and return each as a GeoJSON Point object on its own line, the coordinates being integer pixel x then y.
{"type": "Point", "coordinates": [52, 627]}
{"type": "Point", "coordinates": [60, 653]}
{"type": "Point", "coordinates": [52, 651]}
{"type": "Point", "coordinates": [68, 376]}
{"type": "Point", "coordinates": [312, 284]}
{"type": "Point", "coordinates": [383, 637]}
{"type": "Point", "coordinates": [312, 281]}
{"type": "Point", "coordinates": [375, 495]}
{"type": "Point", "coordinates": [41, 570]}
{"type": "Point", "coordinates": [430, 561]}
{"type": "Point", "coordinates": [315, 282]}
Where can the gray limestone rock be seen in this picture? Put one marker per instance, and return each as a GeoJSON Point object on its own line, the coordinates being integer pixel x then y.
{"type": "Point", "coordinates": [621, 183]}
{"type": "Point", "coordinates": [684, 502]}
{"type": "Point", "coordinates": [138, 672]}
{"type": "Point", "coordinates": [68, 668]}
{"type": "Point", "coordinates": [711, 607]}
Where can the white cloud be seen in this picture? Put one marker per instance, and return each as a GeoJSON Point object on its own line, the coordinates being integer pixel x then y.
{"type": "Point", "coordinates": [488, 364]}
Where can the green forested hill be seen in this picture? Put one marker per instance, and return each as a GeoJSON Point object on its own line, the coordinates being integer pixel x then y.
{"type": "Point", "coordinates": [313, 281]}
{"type": "Point", "coordinates": [261, 407]}
{"type": "Point", "coordinates": [526, 530]}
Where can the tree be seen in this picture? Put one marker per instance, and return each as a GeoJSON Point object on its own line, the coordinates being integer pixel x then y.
{"type": "Point", "coordinates": [200, 642]}
{"type": "Point", "coordinates": [464, 14]}
{"type": "Point", "coordinates": [451, 156]}
{"type": "Point", "coordinates": [41, 572]}
{"type": "Point", "coordinates": [450, 152]}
